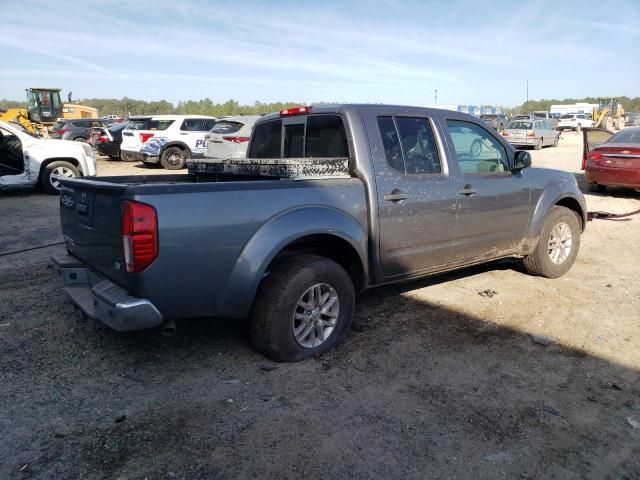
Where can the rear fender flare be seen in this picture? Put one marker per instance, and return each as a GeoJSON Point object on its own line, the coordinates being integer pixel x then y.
{"type": "Point", "coordinates": [559, 192]}
{"type": "Point", "coordinates": [272, 237]}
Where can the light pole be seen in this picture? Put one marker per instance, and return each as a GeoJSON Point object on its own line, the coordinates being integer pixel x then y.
{"type": "Point", "coordinates": [435, 96]}
{"type": "Point", "coordinates": [527, 90]}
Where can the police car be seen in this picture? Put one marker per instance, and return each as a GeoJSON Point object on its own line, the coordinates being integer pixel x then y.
{"type": "Point", "coordinates": [166, 139]}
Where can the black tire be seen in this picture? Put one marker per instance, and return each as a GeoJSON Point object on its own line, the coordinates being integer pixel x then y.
{"type": "Point", "coordinates": [79, 139]}
{"type": "Point", "coordinates": [272, 318]}
{"type": "Point", "coordinates": [538, 144]}
{"type": "Point", "coordinates": [500, 127]}
{"type": "Point", "coordinates": [539, 262]}
{"type": "Point", "coordinates": [556, 140]}
{"type": "Point", "coordinates": [174, 158]}
{"type": "Point", "coordinates": [578, 128]}
{"type": "Point", "coordinates": [594, 187]}
{"type": "Point", "coordinates": [47, 182]}
{"type": "Point", "coordinates": [114, 157]}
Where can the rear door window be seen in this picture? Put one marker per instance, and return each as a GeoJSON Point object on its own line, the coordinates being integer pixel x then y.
{"type": "Point", "coordinates": [410, 146]}
{"type": "Point", "coordinates": [313, 136]}
{"type": "Point", "coordinates": [192, 125]}
{"type": "Point", "coordinates": [158, 125]}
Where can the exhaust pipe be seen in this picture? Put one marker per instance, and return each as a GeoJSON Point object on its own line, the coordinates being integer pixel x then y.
{"type": "Point", "coordinates": [168, 328]}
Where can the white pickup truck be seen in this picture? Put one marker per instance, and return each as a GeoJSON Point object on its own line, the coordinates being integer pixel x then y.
{"type": "Point", "coordinates": [29, 160]}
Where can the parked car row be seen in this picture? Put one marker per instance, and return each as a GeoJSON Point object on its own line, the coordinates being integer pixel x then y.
{"type": "Point", "coordinates": [171, 140]}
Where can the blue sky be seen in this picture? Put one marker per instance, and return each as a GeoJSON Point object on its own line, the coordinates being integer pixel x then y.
{"type": "Point", "coordinates": [386, 51]}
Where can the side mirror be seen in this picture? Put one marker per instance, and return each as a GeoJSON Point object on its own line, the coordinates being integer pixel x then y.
{"type": "Point", "coordinates": [522, 160]}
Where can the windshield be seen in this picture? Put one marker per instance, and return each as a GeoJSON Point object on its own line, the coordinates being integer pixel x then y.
{"type": "Point", "coordinates": [630, 135]}
{"type": "Point", "coordinates": [564, 117]}
{"type": "Point", "coordinates": [519, 126]}
{"type": "Point", "coordinates": [540, 114]}
{"type": "Point", "coordinates": [488, 117]}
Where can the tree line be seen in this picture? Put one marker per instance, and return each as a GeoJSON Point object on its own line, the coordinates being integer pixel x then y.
{"type": "Point", "coordinates": [129, 106]}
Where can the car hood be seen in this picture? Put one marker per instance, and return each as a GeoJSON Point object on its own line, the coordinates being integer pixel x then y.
{"type": "Point", "coordinates": [54, 147]}
{"type": "Point", "coordinates": [540, 177]}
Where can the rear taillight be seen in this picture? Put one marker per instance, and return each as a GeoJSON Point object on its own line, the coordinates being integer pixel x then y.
{"type": "Point", "coordinates": [103, 138]}
{"type": "Point", "coordinates": [294, 111]}
{"type": "Point", "coordinates": [505, 133]}
{"type": "Point", "coordinates": [145, 136]}
{"type": "Point", "coordinates": [236, 139]}
{"type": "Point", "coordinates": [62, 131]}
{"type": "Point", "coordinates": [531, 134]}
{"type": "Point", "coordinates": [139, 235]}
{"type": "Point", "coordinates": [595, 156]}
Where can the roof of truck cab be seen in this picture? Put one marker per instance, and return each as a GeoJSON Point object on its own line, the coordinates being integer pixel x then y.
{"type": "Point", "coordinates": [344, 107]}
{"type": "Point", "coordinates": [178, 117]}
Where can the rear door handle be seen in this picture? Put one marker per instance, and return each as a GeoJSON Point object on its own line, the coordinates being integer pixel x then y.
{"type": "Point", "coordinates": [395, 197]}
{"type": "Point", "coordinates": [468, 191]}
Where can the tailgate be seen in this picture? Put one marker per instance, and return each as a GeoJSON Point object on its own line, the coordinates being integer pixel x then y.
{"type": "Point", "coordinates": [90, 214]}
{"type": "Point", "coordinates": [131, 140]}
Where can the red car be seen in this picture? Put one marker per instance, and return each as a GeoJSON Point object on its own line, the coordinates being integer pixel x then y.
{"type": "Point", "coordinates": [611, 160]}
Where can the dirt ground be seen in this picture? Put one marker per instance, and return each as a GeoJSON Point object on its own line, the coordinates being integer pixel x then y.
{"type": "Point", "coordinates": [433, 381]}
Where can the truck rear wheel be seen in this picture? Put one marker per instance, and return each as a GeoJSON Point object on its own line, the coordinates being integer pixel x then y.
{"type": "Point", "coordinates": [304, 307]}
{"type": "Point", "coordinates": [558, 244]}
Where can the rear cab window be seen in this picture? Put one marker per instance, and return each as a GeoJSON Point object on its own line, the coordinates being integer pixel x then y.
{"type": "Point", "coordinates": [303, 136]}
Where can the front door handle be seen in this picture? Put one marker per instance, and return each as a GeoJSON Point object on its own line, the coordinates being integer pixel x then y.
{"type": "Point", "coordinates": [468, 190]}
{"type": "Point", "coordinates": [395, 196]}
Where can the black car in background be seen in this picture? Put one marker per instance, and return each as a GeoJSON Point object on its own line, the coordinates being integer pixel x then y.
{"type": "Point", "coordinates": [107, 140]}
{"type": "Point", "coordinates": [495, 120]}
{"type": "Point", "coordinates": [76, 129]}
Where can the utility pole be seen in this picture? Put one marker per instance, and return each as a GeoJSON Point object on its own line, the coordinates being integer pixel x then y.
{"type": "Point", "coordinates": [435, 96]}
{"type": "Point", "coordinates": [527, 90]}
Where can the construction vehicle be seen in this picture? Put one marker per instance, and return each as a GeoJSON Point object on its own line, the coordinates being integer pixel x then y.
{"type": "Point", "coordinates": [609, 114]}
{"type": "Point", "coordinates": [43, 109]}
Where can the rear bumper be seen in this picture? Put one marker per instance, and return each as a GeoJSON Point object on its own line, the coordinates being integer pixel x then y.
{"type": "Point", "coordinates": [133, 156]}
{"type": "Point", "coordinates": [523, 142]}
{"type": "Point", "coordinates": [103, 300]}
{"type": "Point", "coordinates": [613, 177]}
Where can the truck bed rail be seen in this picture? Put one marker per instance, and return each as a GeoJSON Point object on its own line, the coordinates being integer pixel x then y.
{"type": "Point", "coordinates": [272, 167]}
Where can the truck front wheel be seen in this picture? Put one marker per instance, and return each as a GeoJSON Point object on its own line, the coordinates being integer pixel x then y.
{"type": "Point", "coordinates": [304, 307]}
{"type": "Point", "coordinates": [558, 244]}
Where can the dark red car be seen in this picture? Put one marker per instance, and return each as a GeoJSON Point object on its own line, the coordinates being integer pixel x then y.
{"type": "Point", "coordinates": [611, 160]}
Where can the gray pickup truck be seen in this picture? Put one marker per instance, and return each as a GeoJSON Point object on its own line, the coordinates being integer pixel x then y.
{"type": "Point", "coordinates": [422, 191]}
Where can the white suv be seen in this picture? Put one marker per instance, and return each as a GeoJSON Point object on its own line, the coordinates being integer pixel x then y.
{"type": "Point", "coordinates": [230, 137]}
{"type": "Point", "coordinates": [168, 139]}
{"type": "Point", "coordinates": [29, 160]}
{"type": "Point", "coordinates": [574, 121]}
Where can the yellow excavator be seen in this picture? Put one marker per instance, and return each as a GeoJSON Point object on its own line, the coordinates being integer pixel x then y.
{"type": "Point", "coordinates": [609, 114]}
{"type": "Point", "coordinates": [43, 109]}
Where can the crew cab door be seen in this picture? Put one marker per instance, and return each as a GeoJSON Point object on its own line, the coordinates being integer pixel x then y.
{"type": "Point", "coordinates": [416, 197]}
{"type": "Point", "coordinates": [13, 161]}
{"type": "Point", "coordinates": [193, 131]}
{"type": "Point", "coordinates": [493, 202]}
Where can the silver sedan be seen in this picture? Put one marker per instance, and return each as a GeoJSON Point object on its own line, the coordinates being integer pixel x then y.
{"type": "Point", "coordinates": [531, 133]}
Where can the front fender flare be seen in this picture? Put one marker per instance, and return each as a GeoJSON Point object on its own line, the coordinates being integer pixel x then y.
{"type": "Point", "coordinates": [174, 143]}
{"type": "Point", "coordinates": [553, 193]}
{"type": "Point", "coordinates": [275, 235]}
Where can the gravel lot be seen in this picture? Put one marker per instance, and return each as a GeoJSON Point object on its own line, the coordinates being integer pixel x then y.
{"type": "Point", "coordinates": [541, 380]}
